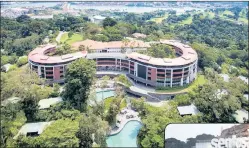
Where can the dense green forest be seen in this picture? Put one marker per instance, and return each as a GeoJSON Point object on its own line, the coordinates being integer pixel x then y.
{"type": "Point", "coordinates": [221, 42]}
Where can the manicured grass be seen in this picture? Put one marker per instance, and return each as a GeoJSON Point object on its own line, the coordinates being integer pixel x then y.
{"type": "Point", "coordinates": [187, 21]}
{"type": "Point", "coordinates": [244, 20]}
{"type": "Point", "coordinates": [159, 19]}
{"type": "Point", "coordinates": [75, 37]}
{"type": "Point", "coordinates": [199, 81]}
{"type": "Point", "coordinates": [209, 14]}
{"type": "Point", "coordinates": [228, 12]}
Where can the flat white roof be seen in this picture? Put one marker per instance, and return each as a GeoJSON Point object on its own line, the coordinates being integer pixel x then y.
{"type": "Point", "coordinates": [99, 17]}
{"type": "Point", "coordinates": [38, 127]}
{"type": "Point", "coordinates": [46, 103]}
{"type": "Point", "coordinates": [240, 114]}
{"type": "Point", "coordinates": [10, 100]}
{"type": "Point", "coordinates": [225, 77]}
{"type": "Point", "coordinates": [246, 96]}
{"type": "Point", "coordinates": [245, 79]}
{"type": "Point", "coordinates": [187, 110]}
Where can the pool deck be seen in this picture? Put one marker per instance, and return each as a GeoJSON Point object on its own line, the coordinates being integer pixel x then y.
{"type": "Point", "coordinates": [124, 121]}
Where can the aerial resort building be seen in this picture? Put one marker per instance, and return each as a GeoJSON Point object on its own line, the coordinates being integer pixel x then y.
{"type": "Point", "coordinates": [124, 57]}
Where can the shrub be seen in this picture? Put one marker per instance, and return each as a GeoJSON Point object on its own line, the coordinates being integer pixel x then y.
{"type": "Point", "coordinates": [22, 61]}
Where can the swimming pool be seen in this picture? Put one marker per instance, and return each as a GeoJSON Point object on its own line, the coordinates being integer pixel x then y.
{"type": "Point", "coordinates": [127, 137]}
{"type": "Point", "coordinates": [101, 95]}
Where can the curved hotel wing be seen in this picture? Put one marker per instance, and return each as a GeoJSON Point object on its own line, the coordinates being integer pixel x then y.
{"type": "Point", "coordinates": [109, 56]}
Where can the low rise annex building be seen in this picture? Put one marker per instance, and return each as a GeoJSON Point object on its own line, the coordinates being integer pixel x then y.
{"type": "Point", "coordinates": [122, 57]}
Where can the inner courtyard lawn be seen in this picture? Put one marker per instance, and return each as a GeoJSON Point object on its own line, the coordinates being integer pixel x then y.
{"type": "Point", "coordinates": [75, 37]}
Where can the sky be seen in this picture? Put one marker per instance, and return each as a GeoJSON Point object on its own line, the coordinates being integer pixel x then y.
{"type": "Point", "coordinates": [184, 131]}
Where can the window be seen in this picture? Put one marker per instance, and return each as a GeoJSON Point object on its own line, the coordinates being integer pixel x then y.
{"type": "Point", "coordinates": [32, 134]}
{"type": "Point", "coordinates": [160, 70]}
{"type": "Point", "coordinates": [49, 68]}
{"type": "Point", "coordinates": [161, 75]}
{"type": "Point", "coordinates": [177, 70]}
{"type": "Point", "coordinates": [49, 77]}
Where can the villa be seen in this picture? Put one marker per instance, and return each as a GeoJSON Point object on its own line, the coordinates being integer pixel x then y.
{"type": "Point", "coordinates": [46, 103]}
{"type": "Point", "coordinates": [187, 110]}
{"type": "Point", "coordinates": [33, 129]}
{"type": "Point", "coordinates": [121, 57]}
{"type": "Point", "coordinates": [97, 19]}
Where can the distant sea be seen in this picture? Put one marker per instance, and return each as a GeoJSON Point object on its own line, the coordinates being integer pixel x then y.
{"type": "Point", "coordinates": [100, 8]}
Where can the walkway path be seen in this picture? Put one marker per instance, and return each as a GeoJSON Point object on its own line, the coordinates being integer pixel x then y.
{"type": "Point", "coordinates": [58, 38]}
{"type": "Point", "coordinates": [123, 120]}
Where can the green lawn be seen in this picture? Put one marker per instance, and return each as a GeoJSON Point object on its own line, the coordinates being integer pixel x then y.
{"type": "Point", "coordinates": [187, 21]}
{"type": "Point", "coordinates": [76, 37]}
{"type": "Point", "coordinates": [199, 81]}
{"type": "Point", "coordinates": [209, 14]}
{"type": "Point", "coordinates": [244, 20]}
{"type": "Point", "coordinates": [159, 19]}
{"type": "Point", "coordinates": [228, 12]}
{"type": "Point", "coordinates": [242, 17]}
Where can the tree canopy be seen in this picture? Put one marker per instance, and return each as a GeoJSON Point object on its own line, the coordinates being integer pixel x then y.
{"type": "Point", "coordinates": [79, 77]}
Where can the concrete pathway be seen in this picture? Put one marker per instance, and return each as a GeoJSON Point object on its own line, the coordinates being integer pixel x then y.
{"type": "Point", "coordinates": [58, 38]}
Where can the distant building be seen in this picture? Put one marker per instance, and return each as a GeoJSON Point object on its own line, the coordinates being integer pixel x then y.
{"type": "Point", "coordinates": [33, 129]}
{"type": "Point", "coordinates": [46, 103]}
{"type": "Point", "coordinates": [6, 67]}
{"type": "Point", "coordinates": [97, 19]}
{"type": "Point", "coordinates": [139, 35]}
{"type": "Point", "coordinates": [42, 17]}
{"type": "Point", "coordinates": [187, 110]}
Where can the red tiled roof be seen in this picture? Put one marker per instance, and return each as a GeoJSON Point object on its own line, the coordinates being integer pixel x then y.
{"type": "Point", "coordinates": [38, 55]}
{"type": "Point", "coordinates": [189, 55]}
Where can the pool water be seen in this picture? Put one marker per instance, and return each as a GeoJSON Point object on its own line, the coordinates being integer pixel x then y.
{"type": "Point", "coordinates": [101, 95]}
{"type": "Point", "coordinates": [127, 137]}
